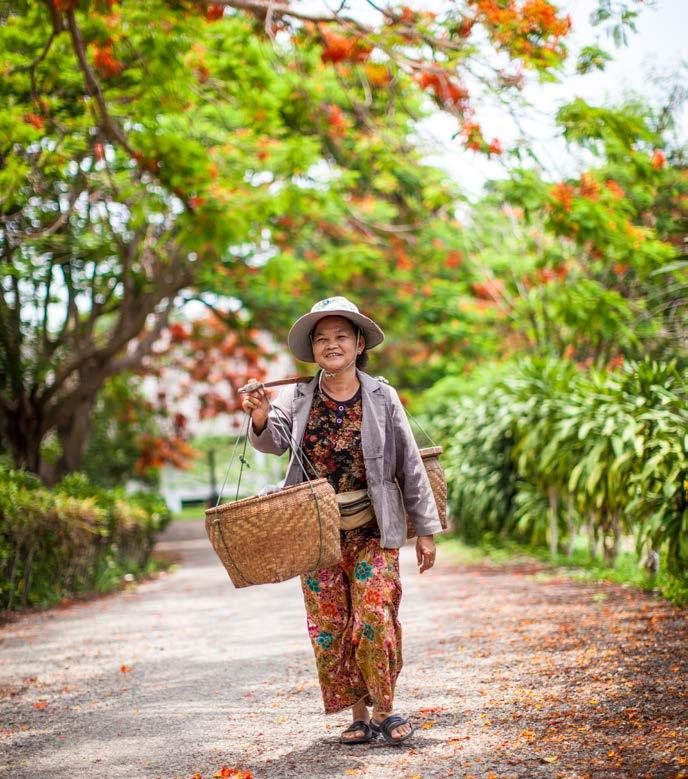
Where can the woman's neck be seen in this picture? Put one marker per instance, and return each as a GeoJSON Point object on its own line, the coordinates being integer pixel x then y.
{"type": "Point", "coordinates": [342, 386]}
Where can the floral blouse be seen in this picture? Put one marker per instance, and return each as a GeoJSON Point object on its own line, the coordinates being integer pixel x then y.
{"type": "Point", "coordinates": [332, 441]}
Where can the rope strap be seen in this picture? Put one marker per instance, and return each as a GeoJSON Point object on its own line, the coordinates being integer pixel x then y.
{"type": "Point", "coordinates": [298, 454]}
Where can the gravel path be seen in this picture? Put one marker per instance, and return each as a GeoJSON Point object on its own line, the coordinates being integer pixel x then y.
{"type": "Point", "coordinates": [508, 673]}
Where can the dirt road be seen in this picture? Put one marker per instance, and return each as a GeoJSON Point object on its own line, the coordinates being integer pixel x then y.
{"type": "Point", "coordinates": [508, 673]}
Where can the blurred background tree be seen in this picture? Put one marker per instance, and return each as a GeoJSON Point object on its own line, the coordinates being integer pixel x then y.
{"type": "Point", "coordinates": [249, 158]}
{"type": "Point", "coordinates": [243, 149]}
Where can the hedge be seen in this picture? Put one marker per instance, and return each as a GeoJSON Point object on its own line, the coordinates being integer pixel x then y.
{"type": "Point", "coordinates": [75, 537]}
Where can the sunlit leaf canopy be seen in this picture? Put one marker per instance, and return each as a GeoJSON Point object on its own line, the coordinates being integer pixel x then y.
{"type": "Point", "coordinates": [259, 154]}
{"type": "Point", "coordinates": [243, 148]}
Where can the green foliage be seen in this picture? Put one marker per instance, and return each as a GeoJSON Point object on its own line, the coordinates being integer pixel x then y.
{"type": "Point", "coordinates": [481, 476]}
{"type": "Point", "coordinates": [599, 276]}
{"type": "Point", "coordinates": [216, 163]}
{"type": "Point", "coordinates": [592, 58]}
{"type": "Point", "coordinates": [152, 149]}
{"type": "Point", "coordinates": [55, 543]}
{"type": "Point", "coordinates": [453, 387]}
{"type": "Point", "coordinates": [120, 417]}
{"type": "Point", "coordinates": [607, 451]}
{"type": "Point", "coordinates": [568, 421]}
{"type": "Point", "coordinates": [618, 16]}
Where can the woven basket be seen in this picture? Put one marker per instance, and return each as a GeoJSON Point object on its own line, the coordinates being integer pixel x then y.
{"type": "Point", "coordinates": [266, 539]}
{"type": "Point", "coordinates": [438, 482]}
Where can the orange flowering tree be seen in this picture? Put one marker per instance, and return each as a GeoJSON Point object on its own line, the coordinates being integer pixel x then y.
{"type": "Point", "coordinates": [593, 267]}
{"type": "Point", "coordinates": [152, 151]}
{"type": "Point", "coordinates": [197, 367]}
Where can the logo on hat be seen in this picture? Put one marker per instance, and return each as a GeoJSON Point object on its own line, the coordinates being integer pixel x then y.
{"type": "Point", "coordinates": [339, 302]}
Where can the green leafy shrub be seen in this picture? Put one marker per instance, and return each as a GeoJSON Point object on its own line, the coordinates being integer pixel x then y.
{"type": "Point", "coordinates": [57, 542]}
{"type": "Point", "coordinates": [551, 450]}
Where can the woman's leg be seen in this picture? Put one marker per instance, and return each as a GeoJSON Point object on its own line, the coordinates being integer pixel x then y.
{"type": "Point", "coordinates": [359, 713]}
{"type": "Point", "coordinates": [375, 596]}
{"type": "Point", "coordinates": [328, 616]}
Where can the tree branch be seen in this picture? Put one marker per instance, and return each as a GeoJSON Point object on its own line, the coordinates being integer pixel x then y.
{"type": "Point", "coordinates": [144, 346]}
{"type": "Point", "coordinates": [279, 10]}
{"type": "Point", "coordinates": [31, 67]}
{"type": "Point", "coordinates": [46, 304]}
{"type": "Point", "coordinates": [229, 319]}
{"type": "Point", "coordinates": [110, 126]}
{"type": "Point", "coordinates": [132, 317]}
{"type": "Point", "coordinates": [55, 16]}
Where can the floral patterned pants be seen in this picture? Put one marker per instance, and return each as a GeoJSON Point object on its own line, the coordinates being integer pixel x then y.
{"type": "Point", "coordinates": [351, 612]}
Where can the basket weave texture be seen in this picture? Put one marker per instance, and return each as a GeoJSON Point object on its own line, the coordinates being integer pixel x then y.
{"type": "Point", "coordinates": [274, 537]}
{"type": "Point", "coordinates": [438, 482]}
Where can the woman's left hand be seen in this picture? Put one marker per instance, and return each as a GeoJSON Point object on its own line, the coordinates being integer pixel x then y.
{"type": "Point", "coordinates": [425, 552]}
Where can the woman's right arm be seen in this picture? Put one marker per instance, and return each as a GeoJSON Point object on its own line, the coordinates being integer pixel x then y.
{"type": "Point", "coordinates": [270, 429]}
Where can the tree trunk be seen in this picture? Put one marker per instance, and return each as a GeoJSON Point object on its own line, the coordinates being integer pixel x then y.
{"type": "Point", "coordinates": [22, 431]}
{"type": "Point", "coordinates": [591, 531]}
{"type": "Point", "coordinates": [86, 351]}
{"type": "Point", "coordinates": [73, 437]}
{"type": "Point", "coordinates": [28, 565]}
{"type": "Point", "coordinates": [649, 560]}
{"type": "Point", "coordinates": [611, 538]}
{"type": "Point", "coordinates": [571, 525]}
{"type": "Point", "coordinates": [553, 522]}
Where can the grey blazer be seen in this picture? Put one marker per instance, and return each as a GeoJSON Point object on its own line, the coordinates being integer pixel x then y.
{"type": "Point", "coordinates": [389, 452]}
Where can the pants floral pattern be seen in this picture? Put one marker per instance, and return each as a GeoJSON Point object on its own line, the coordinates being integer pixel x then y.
{"type": "Point", "coordinates": [352, 616]}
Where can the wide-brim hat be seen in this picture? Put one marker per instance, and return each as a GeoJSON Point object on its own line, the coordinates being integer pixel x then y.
{"type": "Point", "coordinates": [299, 340]}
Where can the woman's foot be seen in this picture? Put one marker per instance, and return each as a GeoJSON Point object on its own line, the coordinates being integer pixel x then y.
{"type": "Point", "coordinates": [391, 726]}
{"type": "Point", "coordinates": [359, 732]}
{"type": "Point", "coordinates": [361, 735]}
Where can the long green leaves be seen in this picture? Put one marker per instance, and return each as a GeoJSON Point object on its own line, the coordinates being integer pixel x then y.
{"type": "Point", "coordinates": [550, 450]}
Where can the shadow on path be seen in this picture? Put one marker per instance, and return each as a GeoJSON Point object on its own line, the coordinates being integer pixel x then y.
{"type": "Point", "coordinates": [504, 676]}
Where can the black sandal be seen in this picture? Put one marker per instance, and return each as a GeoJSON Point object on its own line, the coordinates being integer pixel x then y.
{"type": "Point", "coordinates": [386, 727]}
{"type": "Point", "coordinates": [370, 734]}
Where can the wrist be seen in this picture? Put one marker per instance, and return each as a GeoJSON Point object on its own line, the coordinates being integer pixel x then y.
{"type": "Point", "coordinates": [258, 425]}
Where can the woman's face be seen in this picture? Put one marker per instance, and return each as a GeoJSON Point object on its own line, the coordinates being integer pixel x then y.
{"type": "Point", "coordinates": [334, 343]}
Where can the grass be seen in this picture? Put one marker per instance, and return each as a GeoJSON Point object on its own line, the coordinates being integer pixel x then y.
{"type": "Point", "coordinates": [190, 512]}
{"type": "Point", "coordinates": [580, 566]}
{"type": "Point", "coordinates": [197, 511]}
{"type": "Point", "coordinates": [111, 575]}
{"type": "Point", "coordinates": [116, 574]}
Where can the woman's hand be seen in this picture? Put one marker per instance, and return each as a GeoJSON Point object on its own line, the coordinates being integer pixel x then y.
{"type": "Point", "coordinates": [256, 404]}
{"type": "Point", "coordinates": [425, 552]}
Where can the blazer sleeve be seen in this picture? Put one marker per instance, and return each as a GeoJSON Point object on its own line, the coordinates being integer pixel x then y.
{"type": "Point", "coordinates": [412, 477]}
{"type": "Point", "coordinates": [276, 435]}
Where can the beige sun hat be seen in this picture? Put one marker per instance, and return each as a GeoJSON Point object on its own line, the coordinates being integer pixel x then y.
{"type": "Point", "coordinates": [299, 339]}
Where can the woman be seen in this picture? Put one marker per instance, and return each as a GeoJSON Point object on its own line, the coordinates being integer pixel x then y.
{"type": "Point", "coordinates": [353, 431]}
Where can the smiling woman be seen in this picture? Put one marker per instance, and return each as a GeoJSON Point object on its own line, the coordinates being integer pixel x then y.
{"type": "Point", "coordinates": [336, 342]}
{"type": "Point", "coordinates": [353, 431]}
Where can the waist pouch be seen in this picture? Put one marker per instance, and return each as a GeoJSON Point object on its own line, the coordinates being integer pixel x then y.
{"type": "Point", "coordinates": [355, 509]}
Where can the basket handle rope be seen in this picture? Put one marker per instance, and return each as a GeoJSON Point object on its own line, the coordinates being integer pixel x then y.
{"type": "Point", "coordinates": [300, 458]}
{"type": "Point", "coordinates": [299, 454]}
{"type": "Point", "coordinates": [304, 458]}
{"type": "Point", "coordinates": [231, 459]}
{"type": "Point", "coordinates": [218, 525]}
{"type": "Point", "coordinates": [410, 415]}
